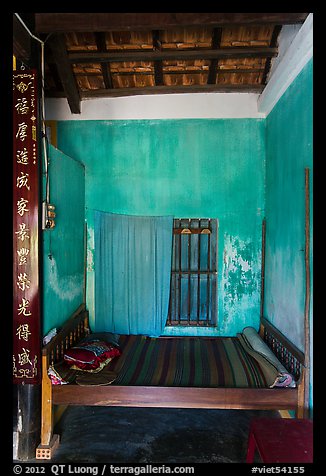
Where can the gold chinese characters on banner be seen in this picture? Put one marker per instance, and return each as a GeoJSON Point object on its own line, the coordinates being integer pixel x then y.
{"type": "Point", "coordinates": [26, 309]}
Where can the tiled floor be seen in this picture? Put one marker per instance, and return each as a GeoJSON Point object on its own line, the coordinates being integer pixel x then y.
{"type": "Point", "coordinates": [153, 435]}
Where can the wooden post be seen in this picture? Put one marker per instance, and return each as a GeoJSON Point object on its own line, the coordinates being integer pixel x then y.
{"type": "Point", "coordinates": [262, 292]}
{"type": "Point", "coordinates": [49, 442]}
{"type": "Point", "coordinates": [47, 413]}
{"type": "Point", "coordinates": [307, 295]}
{"type": "Point", "coordinates": [301, 408]}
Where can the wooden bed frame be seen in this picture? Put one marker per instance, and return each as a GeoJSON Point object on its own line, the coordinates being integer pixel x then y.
{"type": "Point", "coordinates": [164, 397]}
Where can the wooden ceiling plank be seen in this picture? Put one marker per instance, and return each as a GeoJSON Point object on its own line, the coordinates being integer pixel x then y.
{"type": "Point", "coordinates": [58, 48]}
{"type": "Point", "coordinates": [199, 54]}
{"type": "Point", "coordinates": [86, 22]}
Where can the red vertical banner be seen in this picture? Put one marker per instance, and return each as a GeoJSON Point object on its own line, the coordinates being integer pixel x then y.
{"type": "Point", "coordinates": [26, 309]}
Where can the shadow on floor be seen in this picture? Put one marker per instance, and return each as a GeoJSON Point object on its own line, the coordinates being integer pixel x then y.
{"type": "Point", "coordinates": [153, 435]}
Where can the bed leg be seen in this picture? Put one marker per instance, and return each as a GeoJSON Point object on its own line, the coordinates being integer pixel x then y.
{"type": "Point", "coordinates": [301, 410]}
{"type": "Point", "coordinates": [49, 442]}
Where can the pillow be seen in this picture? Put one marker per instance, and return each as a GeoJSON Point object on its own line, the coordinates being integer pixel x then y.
{"type": "Point", "coordinates": [108, 337]}
{"type": "Point", "coordinates": [90, 356]}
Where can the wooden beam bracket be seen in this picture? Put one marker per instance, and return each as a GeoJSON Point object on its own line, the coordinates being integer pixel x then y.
{"type": "Point", "coordinates": [60, 56]}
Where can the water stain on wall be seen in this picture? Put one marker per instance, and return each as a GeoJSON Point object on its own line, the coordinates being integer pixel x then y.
{"type": "Point", "coordinates": [65, 288]}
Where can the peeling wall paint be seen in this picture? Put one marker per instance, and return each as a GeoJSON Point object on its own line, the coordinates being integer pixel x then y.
{"type": "Point", "coordinates": [240, 283]}
{"type": "Point", "coordinates": [90, 269]}
{"type": "Point", "coordinates": [238, 275]}
{"type": "Point", "coordinates": [90, 247]}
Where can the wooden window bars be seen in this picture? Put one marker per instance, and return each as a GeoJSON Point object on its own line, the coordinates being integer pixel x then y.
{"type": "Point", "coordinates": [193, 297]}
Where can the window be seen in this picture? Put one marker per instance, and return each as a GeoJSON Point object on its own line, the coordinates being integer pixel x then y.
{"type": "Point", "coordinates": [193, 296]}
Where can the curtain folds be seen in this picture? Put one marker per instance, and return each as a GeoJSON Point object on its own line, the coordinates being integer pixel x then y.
{"type": "Point", "coordinates": [133, 257]}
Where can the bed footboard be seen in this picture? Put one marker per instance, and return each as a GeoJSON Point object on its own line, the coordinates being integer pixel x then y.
{"type": "Point", "coordinates": [72, 331]}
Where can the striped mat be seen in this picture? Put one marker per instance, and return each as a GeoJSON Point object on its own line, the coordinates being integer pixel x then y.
{"type": "Point", "coordinates": [186, 362]}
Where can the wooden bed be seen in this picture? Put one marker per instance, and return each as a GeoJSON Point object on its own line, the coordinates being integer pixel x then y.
{"type": "Point", "coordinates": [162, 396]}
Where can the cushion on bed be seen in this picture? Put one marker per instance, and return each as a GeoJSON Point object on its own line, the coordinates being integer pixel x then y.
{"type": "Point", "coordinates": [273, 368]}
{"type": "Point", "coordinates": [108, 337]}
{"type": "Point", "coordinates": [90, 356]}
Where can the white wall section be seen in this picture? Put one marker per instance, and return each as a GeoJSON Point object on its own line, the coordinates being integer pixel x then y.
{"type": "Point", "coordinates": [160, 106]}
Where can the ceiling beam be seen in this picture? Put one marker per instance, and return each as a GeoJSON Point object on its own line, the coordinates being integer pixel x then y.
{"type": "Point", "coordinates": [273, 43]}
{"type": "Point", "coordinates": [60, 57]}
{"type": "Point", "coordinates": [216, 44]}
{"type": "Point", "coordinates": [158, 66]}
{"type": "Point", "coordinates": [101, 46]}
{"type": "Point", "coordinates": [173, 72]}
{"type": "Point", "coordinates": [55, 76]}
{"type": "Point", "coordinates": [199, 54]}
{"type": "Point", "coordinates": [90, 22]}
{"type": "Point", "coordinates": [205, 88]}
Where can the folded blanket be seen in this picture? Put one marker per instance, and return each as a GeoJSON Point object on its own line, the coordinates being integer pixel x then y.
{"type": "Point", "coordinates": [60, 373]}
{"type": "Point", "coordinates": [257, 348]}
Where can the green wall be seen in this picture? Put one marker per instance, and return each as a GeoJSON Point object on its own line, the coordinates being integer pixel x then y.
{"type": "Point", "coordinates": [288, 152]}
{"type": "Point", "coordinates": [187, 168]}
{"type": "Point", "coordinates": [63, 246]}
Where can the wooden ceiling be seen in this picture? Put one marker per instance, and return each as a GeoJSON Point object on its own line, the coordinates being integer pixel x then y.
{"type": "Point", "coordinates": [90, 55]}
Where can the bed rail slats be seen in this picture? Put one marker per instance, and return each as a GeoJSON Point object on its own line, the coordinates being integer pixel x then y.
{"type": "Point", "coordinates": [286, 352]}
{"type": "Point", "coordinates": [73, 330]}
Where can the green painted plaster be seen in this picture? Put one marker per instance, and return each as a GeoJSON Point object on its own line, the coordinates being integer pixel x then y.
{"type": "Point", "coordinates": [288, 152]}
{"type": "Point", "coordinates": [63, 246]}
{"type": "Point", "coordinates": [187, 168]}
